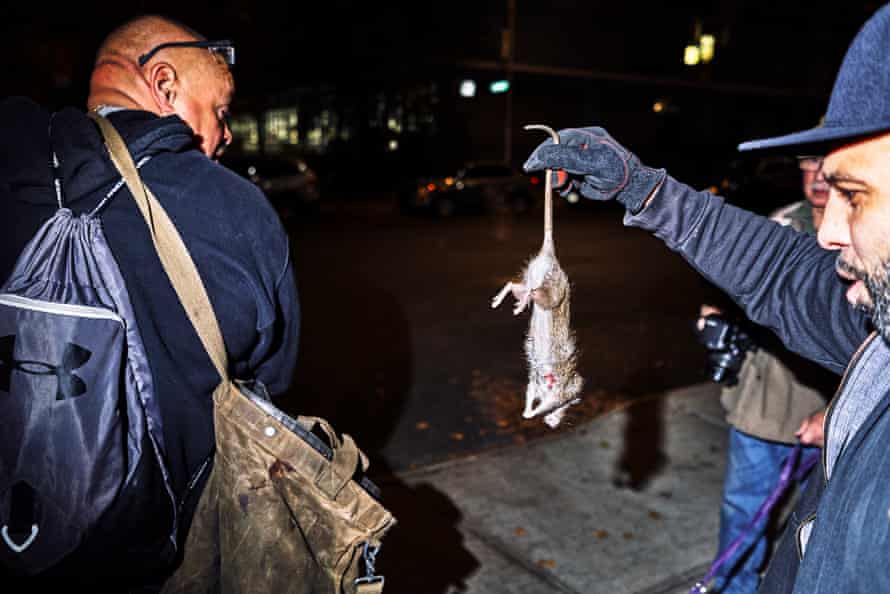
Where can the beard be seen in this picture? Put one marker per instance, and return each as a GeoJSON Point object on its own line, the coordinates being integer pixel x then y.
{"type": "Point", "coordinates": [878, 286]}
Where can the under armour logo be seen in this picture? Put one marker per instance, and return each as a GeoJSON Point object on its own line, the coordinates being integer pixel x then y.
{"type": "Point", "coordinates": [70, 385]}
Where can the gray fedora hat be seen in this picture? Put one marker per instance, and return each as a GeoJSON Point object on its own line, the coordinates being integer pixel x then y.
{"type": "Point", "coordinates": [860, 99]}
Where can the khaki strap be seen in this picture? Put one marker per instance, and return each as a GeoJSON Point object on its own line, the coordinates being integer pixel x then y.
{"type": "Point", "coordinates": [175, 258]}
{"type": "Point", "coordinates": [372, 588]}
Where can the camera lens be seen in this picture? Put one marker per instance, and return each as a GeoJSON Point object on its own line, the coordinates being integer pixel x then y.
{"type": "Point", "coordinates": [723, 366]}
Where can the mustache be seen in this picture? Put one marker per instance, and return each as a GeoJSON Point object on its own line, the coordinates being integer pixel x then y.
{"type": "Point", "coordinates": [845, 267]}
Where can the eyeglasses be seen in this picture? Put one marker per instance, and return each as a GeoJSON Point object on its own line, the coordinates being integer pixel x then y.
{"type": "Point", "coordinates": [809, 163]}
{"type": "Point", "coordinates": [224, 48]}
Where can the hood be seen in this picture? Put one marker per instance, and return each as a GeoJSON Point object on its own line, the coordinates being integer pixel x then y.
{"type": "Point", "coordinates": [32, 134]}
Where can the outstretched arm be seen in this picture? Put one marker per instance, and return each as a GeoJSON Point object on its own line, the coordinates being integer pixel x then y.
{"type": "Point", "coordinates": [782, 279]}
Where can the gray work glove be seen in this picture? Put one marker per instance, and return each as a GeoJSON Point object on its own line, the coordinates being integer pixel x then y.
{"type": "Point", "coordinates": [605, 169]}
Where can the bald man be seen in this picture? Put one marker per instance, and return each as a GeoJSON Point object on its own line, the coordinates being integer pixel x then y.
{"type": "Point", "coordinates": [167, 90]}
{"type": "Point", "coordinates": [195, 85]}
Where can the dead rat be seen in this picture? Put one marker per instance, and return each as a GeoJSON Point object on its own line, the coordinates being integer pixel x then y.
{"type": "Point", "coordinates": [553, 384]}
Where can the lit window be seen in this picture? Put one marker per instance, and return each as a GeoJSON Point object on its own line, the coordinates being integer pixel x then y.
{"type": "Point", "coordinates": [281, 129]}
{"type": "Point", "coordinates": [246, 133]}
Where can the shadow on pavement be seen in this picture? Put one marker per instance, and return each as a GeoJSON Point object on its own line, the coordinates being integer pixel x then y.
{"type": "Point", "coordinates": [424, 553]}
{"type": "Point", "coordinates": [642, 454]}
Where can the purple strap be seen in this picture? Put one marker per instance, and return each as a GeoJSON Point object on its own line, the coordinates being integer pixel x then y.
{"type": "Point", "coordinates": [785, 478]}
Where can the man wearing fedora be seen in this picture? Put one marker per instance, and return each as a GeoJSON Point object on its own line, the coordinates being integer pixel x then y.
{"type": "Point", "coordinates": [827, 299]}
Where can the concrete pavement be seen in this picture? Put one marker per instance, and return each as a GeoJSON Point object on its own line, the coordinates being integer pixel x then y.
{"type": "Point", "coordinates": [625, 504]}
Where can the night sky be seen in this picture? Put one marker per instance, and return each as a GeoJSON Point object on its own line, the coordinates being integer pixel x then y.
{"type": "Point", "coordinates": [794, 45]}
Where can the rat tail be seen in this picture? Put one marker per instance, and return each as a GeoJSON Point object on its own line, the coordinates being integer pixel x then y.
{"type": "Point", "coordinates": [547, 247]}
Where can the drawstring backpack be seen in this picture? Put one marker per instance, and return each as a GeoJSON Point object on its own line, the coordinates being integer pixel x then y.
{"type": "Point", "coordinates": [84, 489]}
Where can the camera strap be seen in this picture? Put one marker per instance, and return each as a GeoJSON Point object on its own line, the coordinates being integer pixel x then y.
{"type": "Point", "coordinates": [786, 477]}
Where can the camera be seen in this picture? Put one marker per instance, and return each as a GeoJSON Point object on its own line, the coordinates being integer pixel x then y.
{"type": "Point", "coordinates": [728, 344]}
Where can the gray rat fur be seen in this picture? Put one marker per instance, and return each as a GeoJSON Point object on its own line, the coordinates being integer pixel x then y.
{"type": "Point", "coordinates": [553, 383]}
{"type": "Point", "coordinates": [550, 350]}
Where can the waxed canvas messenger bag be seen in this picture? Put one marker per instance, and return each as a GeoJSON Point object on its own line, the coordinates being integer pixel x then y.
{"type": "Point", "coordinates": [287, 508]}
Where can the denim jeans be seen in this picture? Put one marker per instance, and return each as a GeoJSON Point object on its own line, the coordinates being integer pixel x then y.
{"type": "Point", "coordinates": [752, 472]}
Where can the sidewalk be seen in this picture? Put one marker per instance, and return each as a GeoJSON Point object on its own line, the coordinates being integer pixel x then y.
{"type": "Point", "coordinates": [555, 515]}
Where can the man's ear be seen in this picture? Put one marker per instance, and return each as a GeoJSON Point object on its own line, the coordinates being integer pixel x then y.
{"type": "Point", "coordinates": [164, 83]}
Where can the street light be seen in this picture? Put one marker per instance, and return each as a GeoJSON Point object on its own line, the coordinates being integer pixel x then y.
{"type": "Point", "coordinates": [702, 51]}
{"type": "Point", "coordinates": [706, 43]}
{"type": "Point", "coordinates": [499, 86]}
{"type": "Point", "coordinates": [468, 88]}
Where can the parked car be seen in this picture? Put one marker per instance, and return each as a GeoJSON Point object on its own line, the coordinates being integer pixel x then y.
{"type": "Point", "coordinates": [474, 188]}
{"type": "Point", "coordinates": [290, 184]}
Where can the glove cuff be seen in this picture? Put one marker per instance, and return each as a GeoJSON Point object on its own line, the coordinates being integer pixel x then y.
{"type": "Point", "coordinates": [642, 182]}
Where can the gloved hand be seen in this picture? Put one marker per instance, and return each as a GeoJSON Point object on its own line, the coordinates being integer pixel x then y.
{"type": "Point", "coordinates": [606, 169]}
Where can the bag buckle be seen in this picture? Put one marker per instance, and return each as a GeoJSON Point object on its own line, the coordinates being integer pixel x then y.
{"type": "Point", "coordinates": [369, 556]}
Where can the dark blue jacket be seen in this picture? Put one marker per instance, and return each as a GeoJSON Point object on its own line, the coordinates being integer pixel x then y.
{"type": "Point", "coordinates": [785, 281]}
{"type": "Point", "coordinates": [232, 233]}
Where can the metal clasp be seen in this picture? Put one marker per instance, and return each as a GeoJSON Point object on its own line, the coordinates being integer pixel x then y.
{"type": "Point", "coordinates": [369, 556]}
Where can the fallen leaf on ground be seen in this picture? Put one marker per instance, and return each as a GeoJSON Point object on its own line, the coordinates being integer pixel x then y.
{"type": "Point", "coordinates": [601, 533]}
{"type": "Point", "coordinates": [519, 532]}
{"type": "Point", "coordinates": [547, 563]}
{"type": "Point", "coordinates": [654, 515]}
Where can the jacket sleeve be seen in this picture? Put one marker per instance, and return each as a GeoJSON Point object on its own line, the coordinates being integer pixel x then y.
{"type": "Point", "coordinates": [782, 279]}
{"type": "Point", "coordinates": [274, 358]}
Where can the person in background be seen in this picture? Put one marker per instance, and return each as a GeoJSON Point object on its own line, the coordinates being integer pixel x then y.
{"type": "Point", "coordinates": [167, 90]}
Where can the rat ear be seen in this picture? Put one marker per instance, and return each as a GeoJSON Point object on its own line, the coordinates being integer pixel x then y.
{"type": "Point", "coordinates": [164, 83]}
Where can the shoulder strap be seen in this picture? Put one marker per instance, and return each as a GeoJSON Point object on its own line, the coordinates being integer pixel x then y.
{"type": "Point", "coordinates": [175, 258]}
